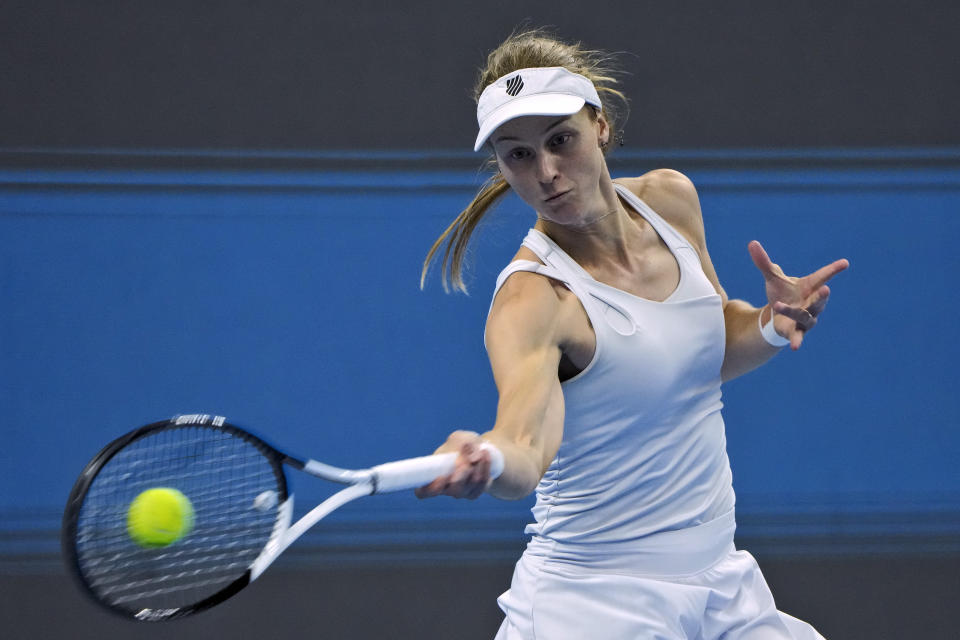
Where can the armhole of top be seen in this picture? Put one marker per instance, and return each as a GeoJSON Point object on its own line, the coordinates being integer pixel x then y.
{"type": "Point", "coordinates": [529, 266]}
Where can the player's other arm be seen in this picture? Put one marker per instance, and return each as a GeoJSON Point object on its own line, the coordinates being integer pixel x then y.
{"type": "Point", "coordinates": [523, 342]}
{"type": "Point", "coordinates": [796, 301]}
{"type": "Point", "coordinates": [674, 197]}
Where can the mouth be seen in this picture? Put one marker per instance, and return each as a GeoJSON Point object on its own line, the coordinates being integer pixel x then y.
{"type": "Point", "coordinates": [557, 196]}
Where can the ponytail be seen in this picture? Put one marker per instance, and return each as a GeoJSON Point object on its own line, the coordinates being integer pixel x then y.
{"type": "Point", "coordinates": [457, 235]}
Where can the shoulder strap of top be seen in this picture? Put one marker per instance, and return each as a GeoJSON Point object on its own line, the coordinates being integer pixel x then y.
{"type": "Point", "coordinates": [550, 253]}
{"type": "Point", "coordinates": [561, 267]}
{"type": "Point", "coordinates": [556, 264]}
{"type": "Point", "coordinates": [673, 238]}
{"type": "Point", "coordinates": [571, 273]}
{"type": "Point", "coordinates": [525, 265]}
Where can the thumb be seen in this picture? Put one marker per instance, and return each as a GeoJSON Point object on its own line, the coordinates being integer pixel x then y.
{"type": "Point", "coordinates": [760, 258]}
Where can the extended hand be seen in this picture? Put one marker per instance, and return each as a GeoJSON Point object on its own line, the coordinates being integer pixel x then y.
{"type": "Point", "coordinates": [470, 476]}
{"type": "Point", "coordinates": [796, 302]}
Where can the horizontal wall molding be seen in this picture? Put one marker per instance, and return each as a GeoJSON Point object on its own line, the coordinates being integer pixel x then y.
{"type": "Point", "coordinates": [375, 533]}
{"type": "Point", "coordinates": [440, 159]}
{"type": "Point", "coordinates": [114, 172]}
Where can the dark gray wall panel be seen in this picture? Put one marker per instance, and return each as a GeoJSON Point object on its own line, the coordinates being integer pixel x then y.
{"type": "Point", "coordinates": [375, 74]}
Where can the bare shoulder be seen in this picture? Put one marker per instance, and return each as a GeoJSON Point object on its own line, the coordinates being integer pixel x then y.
{"type": "Point", "coordinates": [533, 284]}
{"type": "Point", "coordinates": [527, 301]}
{"type": "Point", "coordinates": [673, 196]}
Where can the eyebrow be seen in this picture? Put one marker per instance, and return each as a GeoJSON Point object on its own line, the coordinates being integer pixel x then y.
{"type": "Point", "coordinates": [551, 126]}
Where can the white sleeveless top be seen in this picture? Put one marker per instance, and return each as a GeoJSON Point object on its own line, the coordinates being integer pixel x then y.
{"type": "Point", "coordinates": [643, 448]}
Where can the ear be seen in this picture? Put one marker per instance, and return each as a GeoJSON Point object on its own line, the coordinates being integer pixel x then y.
{"type": "Point", "coordinates": [603, 130]}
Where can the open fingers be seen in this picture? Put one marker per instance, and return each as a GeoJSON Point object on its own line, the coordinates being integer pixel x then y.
{"type": "Point", "coordinates": [816, 279]}
{"type": "Point", "coordinates": [819, 277]}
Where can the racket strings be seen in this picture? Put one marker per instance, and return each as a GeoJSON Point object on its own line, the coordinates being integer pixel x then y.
{"type": "Point", "coordinates": [221, 474]}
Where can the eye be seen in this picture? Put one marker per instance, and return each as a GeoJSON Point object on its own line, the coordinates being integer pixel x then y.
{"type": "Point", "coordinates": [560, 139]}
{"type": "Point", "coordinates": [518, 153]}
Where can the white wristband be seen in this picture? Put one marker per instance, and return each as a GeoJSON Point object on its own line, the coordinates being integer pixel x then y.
{"type": "Point", "coordinates": [769, 334]}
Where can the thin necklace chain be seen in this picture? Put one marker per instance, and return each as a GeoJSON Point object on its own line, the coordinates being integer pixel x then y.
{"type": "Point", "coordinates": [584, 224]}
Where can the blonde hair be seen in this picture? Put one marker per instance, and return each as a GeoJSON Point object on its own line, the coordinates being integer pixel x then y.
{"type": "Point", "coordinates": [534, 48]}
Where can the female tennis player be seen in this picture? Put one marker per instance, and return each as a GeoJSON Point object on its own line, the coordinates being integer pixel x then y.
{"type": "Point", "coordinates": [609, 336]}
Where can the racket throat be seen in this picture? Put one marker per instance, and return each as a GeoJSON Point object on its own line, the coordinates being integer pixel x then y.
{"type": "Point", "coordinates": [286, 534]}
{"type": "Point", "coordinates": [277, 542]}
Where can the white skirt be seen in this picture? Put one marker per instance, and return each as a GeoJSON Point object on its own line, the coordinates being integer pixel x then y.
{"type": "Point", "coordinates": [728, 598]}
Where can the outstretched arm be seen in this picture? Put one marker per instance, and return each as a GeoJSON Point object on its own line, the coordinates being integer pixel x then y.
{"type": "Point", "coordinates": [523, 343]}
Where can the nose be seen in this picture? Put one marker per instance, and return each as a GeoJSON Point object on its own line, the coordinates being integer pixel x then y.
{"type": "Point", "coordinates": [546, 168]}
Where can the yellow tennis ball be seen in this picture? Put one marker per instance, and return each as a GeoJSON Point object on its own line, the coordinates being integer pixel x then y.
{"type": "Point", "coordinates": [159, 517]}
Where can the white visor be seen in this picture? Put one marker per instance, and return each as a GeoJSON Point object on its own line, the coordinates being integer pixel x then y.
{"type": "Point", "coordinates": [539, 91]}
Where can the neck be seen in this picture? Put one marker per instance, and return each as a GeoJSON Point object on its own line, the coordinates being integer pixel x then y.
{"type": "Point", "coordinates": [602, 237]}
{"type": "Point", "coordinates": [584, 225]}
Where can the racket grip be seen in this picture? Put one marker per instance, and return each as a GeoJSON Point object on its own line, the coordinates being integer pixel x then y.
{"type": "Point", "coordinates": [416, 472]}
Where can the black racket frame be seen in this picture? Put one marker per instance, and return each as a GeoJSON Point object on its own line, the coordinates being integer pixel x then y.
{"type": "Point", "coordinates": [71, 514]}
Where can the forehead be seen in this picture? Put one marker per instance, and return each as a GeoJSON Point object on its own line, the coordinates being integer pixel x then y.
{"type": "Point", "coordinates": [526, 127]}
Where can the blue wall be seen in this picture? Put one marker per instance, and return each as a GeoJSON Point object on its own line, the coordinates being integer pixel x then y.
{"type": "Point", "coordinates": [289, 302]}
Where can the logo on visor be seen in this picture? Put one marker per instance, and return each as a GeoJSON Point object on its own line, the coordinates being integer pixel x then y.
{"type": "Point", "coordinates": [514, 85]}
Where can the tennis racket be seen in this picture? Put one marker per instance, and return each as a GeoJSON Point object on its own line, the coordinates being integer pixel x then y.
{"type": "Point", "coordinates": [242, 506]}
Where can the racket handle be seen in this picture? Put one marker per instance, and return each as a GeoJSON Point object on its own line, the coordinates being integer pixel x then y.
{"type": "Point", "coordinates": [416, 472]}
